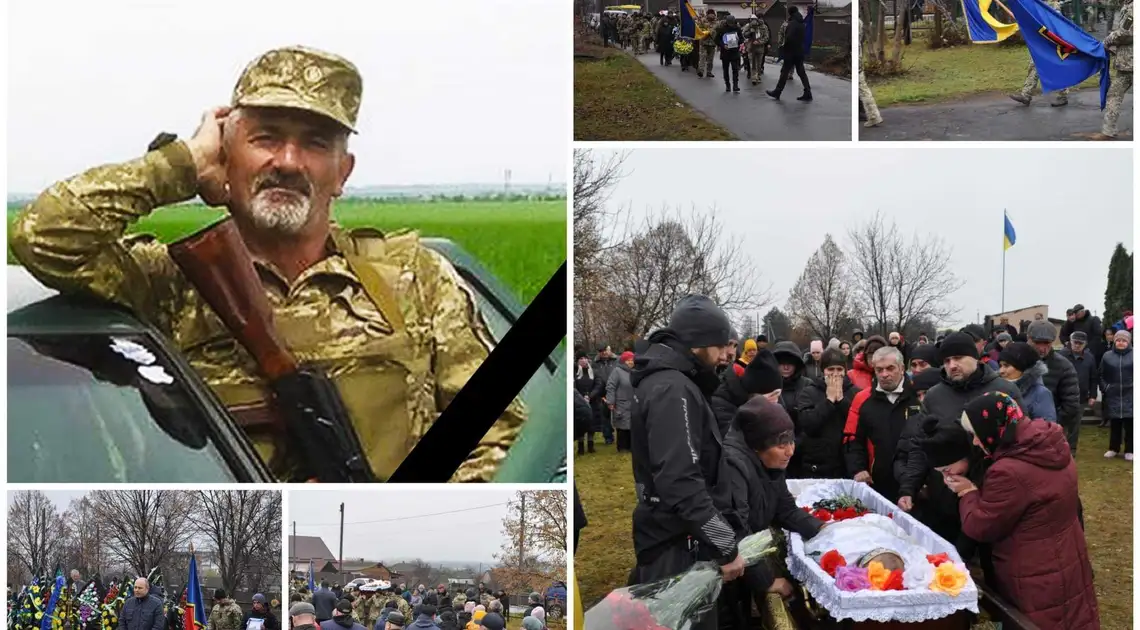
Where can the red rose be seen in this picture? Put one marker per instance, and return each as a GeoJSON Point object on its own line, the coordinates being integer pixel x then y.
{"type": "Point", "coordinates": [806, 509]}
{"type": "Point", "coordinates": [822, 515]}
{"type": "Point", "coordinates": [938, 559]}
{"type": "Point", "coordinates": [894, 582]}
{"type": "Point", "coordinates": [831, 561]}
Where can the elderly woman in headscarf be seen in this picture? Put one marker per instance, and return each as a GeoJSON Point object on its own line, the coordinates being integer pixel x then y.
{"type": "Point", "coordinates": [1027, 509]}
{"type": "Point", "coordinates": [530, 623]}
{"type": "Point", "coordinates": [539, 613]}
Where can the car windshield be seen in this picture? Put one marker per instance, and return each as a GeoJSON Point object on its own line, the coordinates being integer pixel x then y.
{"type": "Point", "coordinates": [103, 408]}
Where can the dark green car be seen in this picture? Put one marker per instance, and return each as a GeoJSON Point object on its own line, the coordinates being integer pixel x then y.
{"type": "Point", "coordinates": [97, 396]}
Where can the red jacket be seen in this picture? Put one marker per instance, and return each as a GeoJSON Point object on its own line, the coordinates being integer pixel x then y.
{"type": "Point", "coordinates": [861, 375]}
{"type": "Point", "coordinates": [1027, 508]}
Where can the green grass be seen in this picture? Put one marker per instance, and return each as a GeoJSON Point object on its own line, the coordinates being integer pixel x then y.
{"type": "Point", "coordinates": [521, 242]}
{"type": "Point", "coordinates": [949, 74]}
{"type": "Point", "coordinates": [617, 98]}
{"type": "Point", "coordinates": [605, 554]}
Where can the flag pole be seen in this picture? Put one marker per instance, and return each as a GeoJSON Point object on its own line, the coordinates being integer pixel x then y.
{"type": "Point", "coordinates": [1003, 248]}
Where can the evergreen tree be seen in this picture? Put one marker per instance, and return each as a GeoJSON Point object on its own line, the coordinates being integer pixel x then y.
{"type": "Point", "coordinates": [1118, 292]}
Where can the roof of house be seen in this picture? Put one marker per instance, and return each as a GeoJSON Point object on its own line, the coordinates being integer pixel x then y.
{"type": "Point", "coordinates": [309, 547]}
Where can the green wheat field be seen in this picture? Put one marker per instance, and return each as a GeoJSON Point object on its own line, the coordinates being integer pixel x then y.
{"type": "Point", "coordinates": [522, 242]}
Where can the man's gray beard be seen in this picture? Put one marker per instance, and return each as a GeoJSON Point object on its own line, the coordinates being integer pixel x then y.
{"type": "Point", "coordinates": [288, 217]}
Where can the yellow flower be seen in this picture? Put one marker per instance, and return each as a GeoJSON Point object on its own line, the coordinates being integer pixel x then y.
{"type": "Point", "coordinates": [878, 575]}
{"type": "Point", "coordinates": [948, 579]}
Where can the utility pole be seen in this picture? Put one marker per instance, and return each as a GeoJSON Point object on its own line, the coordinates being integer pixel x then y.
{"type": "Point", "coordinates": [340, 556]}
{"type": "Point", "coordinates": [522, 530]}
{"type": "Point", "coordinates": [293, 548]}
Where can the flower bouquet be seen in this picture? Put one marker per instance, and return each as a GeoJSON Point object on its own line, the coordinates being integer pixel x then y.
{"type": "Point", "coordinates": [88, 604]}
{"type": "Point", "coordinates": [841, 508]}
{"type": "Point", "coordinates": [682, 47]}
{"type": "Point", "coordinates": [676, 602]}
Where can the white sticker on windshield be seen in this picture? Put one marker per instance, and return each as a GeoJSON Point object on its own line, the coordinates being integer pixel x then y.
{"type": "Point", "coordinates": [155, 374]}
{"type": "Point", "coordinates": [132, 351]}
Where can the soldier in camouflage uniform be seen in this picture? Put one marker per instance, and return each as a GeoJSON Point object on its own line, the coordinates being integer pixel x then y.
{"type": "Point", "coordinates": [226, 614]}
{"type": "Point", "coordinates": [757, 36]}
{"type": "Point", "coordinates": [625, 26]}
{"type": "Point", "coordinates": [391, 321]}
{"type": "Point", "coordinates": [1025, 96]}
{"type": "Point", "coordinates": [707, 44]}
{"type": "Point", "coordinates": [645, 34]}
{"type": "Point", "coordinates": [874, 118]}
{"type": "Point", "coordinates": [1119, 43]}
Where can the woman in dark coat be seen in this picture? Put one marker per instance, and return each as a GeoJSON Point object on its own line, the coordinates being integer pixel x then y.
{"type": "Point", "coordinates": [1116, 383]}
{"type": "Point", "coordinates": [1027, 509]}
{"type": "Point", "coordinates": [758, 449]}
{"type": "Point", "coordinates": [586, 409]}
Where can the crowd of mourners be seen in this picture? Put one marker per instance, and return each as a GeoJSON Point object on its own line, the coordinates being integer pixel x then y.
{"type": "Point", "coordinates": [399, 607]}
{"type": "Point", "coordinates": [973, 432]}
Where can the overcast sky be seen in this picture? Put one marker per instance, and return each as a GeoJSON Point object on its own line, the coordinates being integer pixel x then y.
{"type": "Point", "coordinates": [478, 88]}
{"type": "Point", "coordinates": [470, 535]}
{"type": "Point", "coordinates": [1069, 209]}
{"type": "Point", "coordinates": [61, 498]}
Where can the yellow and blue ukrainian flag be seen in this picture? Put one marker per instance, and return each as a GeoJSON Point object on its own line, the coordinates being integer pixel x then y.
{"type": "Point", "coordinates": [1010, 237]}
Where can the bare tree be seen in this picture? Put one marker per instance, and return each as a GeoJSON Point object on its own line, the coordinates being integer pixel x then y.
{"type": "Point", "coordinates": [823, 296]}
{"type": "Point", "coordinates": [677, 254]}
{"type": "Point", "coordinates": [900, 280]}
{"type": "Point", "coordinates": [84, 546]}
{"type": "Point", "coordinates": [594, 179]}
{"type": "Point", "coordinates": [35, 533]}
{"type": "Point", "coordinates": [144, 527]}
{"type": "Point", "coordinates": [243, 526]}
{"type": "Point", "coordinates": [534, 540]}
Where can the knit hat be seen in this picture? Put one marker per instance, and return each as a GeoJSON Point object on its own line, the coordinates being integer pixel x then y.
{"type": "Point", "coordinates": [816, 346]}
{"type": "Point", "coordinates": [830, 357]}
{"type": "Point", "coordinates": [1042, 330]}
{"type": "Point", "coordinates": [749, 344]}
{"type": "Point", "coordinates": [927, 352]}
{"type": "Point", "coordinates": [760, 338]}
{"type": "Point", "coordinates": [1006, 337]}
{"type": "Point", "coordinates": [993, 417]}
{"type": "Point", "coordinates": [1078, 308]}
{"type": "Point", "coordinates": [944, 442]}
{"type": "Point", "coordinates": [958, 344]}
{"type": "Point", "coordinates": [699, 323]}
{"type": "Point", "coordinates": [258, 598]}
{"type": "Point", "coordinates": [974, 330]}
{"type": "Point", "coordinates": [1079, 337]}
{"type": "Point", "coordinates": [1122, 334]}
{"type": "Point", "coordinates": [539, 613]}
{"type": "Point", "coordinates": [764, 424]}
{"type": "Point", "coordinates": [1021, 356]}
{"type": "Point", "coordinates": [926, 379]}
{"type": "Point", "coordinates": [762, 375]}
{"type": "Point", "coordinates": [302, 608]}
{"type": "Point", "coordinates": [530, 623]}
{"type": "Point", "coordinates": [220, 593]}
{"type": "Point", "coordinates": [626, 356]}
{"type": "Point", "coordinates": [834, 343]}
{"type": "Point", "coordinates": [478, 615]}
{"type": "Point", "coordinates": [494, 621]}
{"type": "Point", "coordinates": [396, 618]}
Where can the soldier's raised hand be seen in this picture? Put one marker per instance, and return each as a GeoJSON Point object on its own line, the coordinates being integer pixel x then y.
{"type": "Point", "coordinates": [206, 148]}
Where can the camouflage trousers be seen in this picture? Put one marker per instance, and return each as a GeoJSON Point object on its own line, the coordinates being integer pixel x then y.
{"type": "Point", "coordinates": [1121, 83]}
{"type": "Point", "coordinates": [756, 63]}
{"type": "Point", "coordinates": [1031, 82]}
{"type": "Point", "coordinates": [706, 64]}
{"type": "Point", "coordinates": [637, 50]}
{"type": "Point", "coordinates": [868, 99]}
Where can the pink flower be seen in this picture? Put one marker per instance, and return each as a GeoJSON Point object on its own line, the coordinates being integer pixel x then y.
{"type": "Point", "coordinates": [852, 579]}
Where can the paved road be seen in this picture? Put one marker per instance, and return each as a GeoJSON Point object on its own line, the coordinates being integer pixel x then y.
{"type": "Point", "coordinates": [996, 117]}
{"type": "Point", "coordinates": [752, 114]}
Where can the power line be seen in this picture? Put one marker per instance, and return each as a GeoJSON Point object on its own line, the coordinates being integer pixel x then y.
{"type": "Point", "coordinates": [404, 518]}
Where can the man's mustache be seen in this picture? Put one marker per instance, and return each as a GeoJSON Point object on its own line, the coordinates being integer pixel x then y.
{"type": "Point", "coordinates": [296, 182]}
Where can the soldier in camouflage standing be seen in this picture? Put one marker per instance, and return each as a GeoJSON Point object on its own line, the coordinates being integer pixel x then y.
{"type": "Point", "coordinates": [756, 36]}
{"type": "Point", "coordinates": [625, 24]}
{"type": "Point", "coordinates": [707, 23]}
{"type": "Point", "coordinates": [645, 34]}
{"type": "Point", "coordinates": [874, 118]}
{"type": "Point", "coordinates": [1119, 43]}
{"type": "Point", "coordinates": [397, 328]}
{"type": "Point", "coordinates": [226, 614]}
{"type": "Point", "coordinates": [1025, 96]}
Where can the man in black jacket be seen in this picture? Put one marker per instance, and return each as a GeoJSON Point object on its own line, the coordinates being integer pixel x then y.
{"type": "Point", "coordinates": [759, 448]}
{"type": "Point", "coordinates": [1061, 380]}
{"type": "Point", "coordinates": [728, 41]}
{"type": "Point", "coordinates": [823, 406]}
{"type": "Point", "coordinates": [1091, 326]}
{"type": "Point", "coordinates": [1088, 377]}
{"type": "Point", "coordinates": [677, 449]}
{"type": "Point", "coordinates": [793, 53]}
{"type": "Point", "coordinates": [964, 378]}
{"type": "Point", "coordinates": [324, 601]}
{"type": "Point", "coordinates": [761, 377]}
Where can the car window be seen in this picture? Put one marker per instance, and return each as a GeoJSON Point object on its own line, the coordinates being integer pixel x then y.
{"type": "Point", "coordinates": [103, 408]}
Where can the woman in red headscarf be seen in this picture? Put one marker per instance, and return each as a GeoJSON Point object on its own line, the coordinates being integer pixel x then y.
{"type": "Point", "coordinates": [619, 392]}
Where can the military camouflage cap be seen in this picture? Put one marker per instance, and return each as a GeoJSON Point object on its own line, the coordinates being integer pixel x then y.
{"type": "Point", "coordinates": [302, 78]}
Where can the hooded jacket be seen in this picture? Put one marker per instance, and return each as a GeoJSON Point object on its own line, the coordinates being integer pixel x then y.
{"type": "Point", "coordinates": [727, 398]}
{"type": "Point", "coordinates": [677, 454]}
{"type": "Point", "coordinates": [1116, 383]}
{"type": "Point", "coordinates": [619, 393]}
{"type": "Point", "coordinates": [345, 622]}
{"type": "Point", "coordinates": [821, 422]}
{"type": "Point", "coordinates": [1038, 400]}
{"type": "Point", "coordinates": [1027, 509]}
{"type": "Point", "coordinates": [861, 373]}
{"type": "Point", "coordinates": [947, 399]}
{"type": "Point", "coordinates": [793, 386]}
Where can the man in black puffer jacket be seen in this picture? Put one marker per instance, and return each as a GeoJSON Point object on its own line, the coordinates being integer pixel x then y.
{"type": "Point", "coordinates": [761, 377]}
{"type": "Point", "coordinates": [677, 450]}
{"type": "Point", "coordinates": [964, 378]}
{"type": "Point", "coordinates": [1061, 380]}
{"type": "Point", "coordinates": [823, 405]}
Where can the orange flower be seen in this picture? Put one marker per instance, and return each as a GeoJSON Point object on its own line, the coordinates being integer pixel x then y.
{"type": "Point", "coordinates": [894, 582]}
{"type": "Point", "coordinates": [832, 561]}
{"type": "Point", "coordinates": [938, 558]}
{"type": "Point", "coordinates": [948, 579]}
{"type": "Point", "coordinates": [878, 575]}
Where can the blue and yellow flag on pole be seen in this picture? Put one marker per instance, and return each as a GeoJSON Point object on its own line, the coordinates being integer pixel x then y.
{"type": "Point", "coordinates": [1064, 54]}
{"type": "Point", "coordinates": [688, 19]}
{"type": "Point", "coordinates": [983, 27]}
{"type": "Point", "coordinates": [312, 581]}
{"type": "Point", "coordinates": [1010, 237]}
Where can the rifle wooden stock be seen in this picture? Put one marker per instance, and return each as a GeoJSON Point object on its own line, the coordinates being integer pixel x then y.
{"type": "Point", "coordinates": [217, 263]}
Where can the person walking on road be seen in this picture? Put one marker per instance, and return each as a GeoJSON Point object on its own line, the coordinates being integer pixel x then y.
{"type": "Point", "coordinates": [757, 36]}
{"type": "Point", "coordinates": [1119, 43]}
{"type": "Point", "coordinates": [678, 450]}
{"type": "Point", "coordinates": [729, 38]}
{"type": "Point", "coordinates": [793, 54]}
{"type": "Point", "coordinates": [706, 25]}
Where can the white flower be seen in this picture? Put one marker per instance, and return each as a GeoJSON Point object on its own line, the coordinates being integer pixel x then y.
{"type": "Point", "coordinates": [918, 575]}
